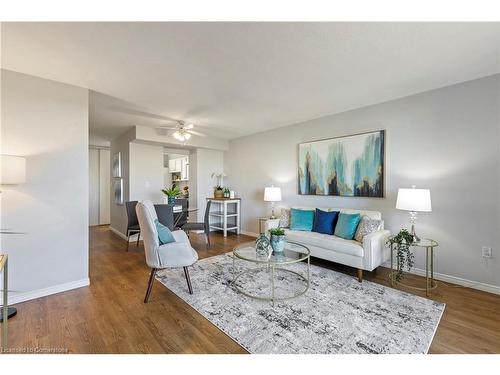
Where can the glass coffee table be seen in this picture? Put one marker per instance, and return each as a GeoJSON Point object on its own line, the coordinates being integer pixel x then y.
{"type": "Point", "coordinates": [274, 277]}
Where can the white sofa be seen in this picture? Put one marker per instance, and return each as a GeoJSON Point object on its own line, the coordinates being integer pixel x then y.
{"type": "Point", "coordinates": [366, 256]}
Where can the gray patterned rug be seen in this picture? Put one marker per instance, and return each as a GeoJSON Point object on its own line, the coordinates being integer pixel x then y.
{"type": "Point", "coordinates": [336, 315]}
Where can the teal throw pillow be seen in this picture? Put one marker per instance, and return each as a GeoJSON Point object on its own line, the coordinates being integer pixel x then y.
{"type": "Point", "coordinates": [164, 234]}
{"type": "Point", "coordinates": [301, 219]}
{"type": "Point", "coordinates": [347, 225]}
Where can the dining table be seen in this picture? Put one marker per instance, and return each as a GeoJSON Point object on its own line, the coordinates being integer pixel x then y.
{"type": "Point", "coordinates": [179, 211]}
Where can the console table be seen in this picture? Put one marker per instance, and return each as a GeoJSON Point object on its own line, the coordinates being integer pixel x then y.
{"type": "Point", "coordinates": [4, 268]}
{"type": "Point", "coordinates": [222, 210]}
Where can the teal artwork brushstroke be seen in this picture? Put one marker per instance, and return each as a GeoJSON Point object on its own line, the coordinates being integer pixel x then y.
{"type": "Point", "coordinates": [344, 166]}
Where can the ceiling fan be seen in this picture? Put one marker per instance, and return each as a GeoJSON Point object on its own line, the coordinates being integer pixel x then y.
{"type": "Point", "coordinates": [182, 132]}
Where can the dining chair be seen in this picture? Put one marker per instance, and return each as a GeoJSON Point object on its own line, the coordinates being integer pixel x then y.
{"type": "Point", "coordinates": [165, 213]}
{"type": "Point", "coordinates": [204, 226]}
{"type": "Point", "coordinates": [172, 255]}
{"type": "Point", "coordinates": [132, 222]}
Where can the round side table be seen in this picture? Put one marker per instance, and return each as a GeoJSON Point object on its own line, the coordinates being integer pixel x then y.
{"type": "Point", "coordinates": [430, 283]}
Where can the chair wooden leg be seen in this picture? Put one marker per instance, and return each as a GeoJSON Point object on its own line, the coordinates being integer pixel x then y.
{"type": "Point", "coordinates": [138, 238]}
{"type": "Point", "coordinates": [128, 238]}
{"type": "Point", "coordinates": [150, 284]}
{"type": "Point", "coordinates": [188, 279]}
{"type": "Point", "coordinates": [207, 240]}
{"type": "Point", "coordinates": [360, 275]}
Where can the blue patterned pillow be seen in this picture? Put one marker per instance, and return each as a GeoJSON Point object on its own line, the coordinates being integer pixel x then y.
{"type": "Point", "coordinates": [301, 219]}
{"type": "Point", "coordinates": [347, 225]}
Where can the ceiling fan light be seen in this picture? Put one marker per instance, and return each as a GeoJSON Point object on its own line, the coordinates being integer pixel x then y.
{"type": "Point", "coordinates": [187, 136]}
{"type": "Point", "coordinates": [178, 136]}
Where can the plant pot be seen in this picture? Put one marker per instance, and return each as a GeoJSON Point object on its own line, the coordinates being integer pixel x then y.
{"type": "Point", "coordinates": [171, 200]}
{"type": "Point", "coordinates": [278, 243]}
{"type": "Point", "coordinates": [218, 193]}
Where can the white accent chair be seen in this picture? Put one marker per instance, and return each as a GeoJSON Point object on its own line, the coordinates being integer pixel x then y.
{"type": "Point", "coordinates": [172, 255]}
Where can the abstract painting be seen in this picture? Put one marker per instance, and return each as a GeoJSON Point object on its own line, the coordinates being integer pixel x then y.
{"type": "Point", "coordinates": [118, 190]}
{"type": "Point", "coordinates": [116, 165]}
{"type": "Point", "coordinates": [350, 166]}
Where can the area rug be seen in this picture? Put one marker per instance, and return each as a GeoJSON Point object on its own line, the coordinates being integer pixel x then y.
{"type": "Point", "coordinates": [336, 315]}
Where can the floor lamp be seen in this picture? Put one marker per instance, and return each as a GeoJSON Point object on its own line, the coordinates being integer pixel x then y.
{"type": "Point", "coordinates": [12, 172]}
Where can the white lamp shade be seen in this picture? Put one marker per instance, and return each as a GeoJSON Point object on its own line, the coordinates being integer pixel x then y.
{"type": "Point", "coordinates": [13, 170]}
{"type": "Point", "coordinates": [272, 194]}
{"type": "Point", "coordinates": [418, 200]}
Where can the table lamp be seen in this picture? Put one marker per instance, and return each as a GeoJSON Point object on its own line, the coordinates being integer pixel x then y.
{"type": "Point", "coordinates": [414, 200]}
{"type": "Point", "coordinates": [272, 194]}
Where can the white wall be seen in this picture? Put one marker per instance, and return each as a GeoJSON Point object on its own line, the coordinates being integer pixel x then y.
{"type": "Point", "coordinates": [446, 140]}
{"type": "Point", "coordinates": [143, 176]}
{"type": "Point", "coordinates": [93, 186]}
{"type": "Point", "coordinates": [118, 213]}
{"type": "Point", "coordinates": [146, 172]}
{"type": "Point", "coordinates": [206, 162]}
{"type": "Point", "coordinates": [104, 186]}
{"type": "Point", "coordinates": [47, 122]}
{"type": "Point", "coordinates": [99, 186]}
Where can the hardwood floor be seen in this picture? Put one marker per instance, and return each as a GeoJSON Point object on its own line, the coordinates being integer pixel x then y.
{"type": "Point", "coordinates": [109, 316]}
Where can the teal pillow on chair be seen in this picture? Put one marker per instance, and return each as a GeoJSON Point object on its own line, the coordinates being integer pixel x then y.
{"type": "Point", "coordinates": [301, 219]}
{"type": "Point", "coordinates": [164, 234]}
{"type": "Point", "coordinates": [347, 225]}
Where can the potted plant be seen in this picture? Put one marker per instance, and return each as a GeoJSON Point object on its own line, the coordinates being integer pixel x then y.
{"type": "Point", "coordinates": [218, 192]}
{"type": "Point", "coordinates": [404, 257]}
{"type": "Point", "coordinates": [277, 239]}
{"type": "Point", "coordinates": [172, 193]}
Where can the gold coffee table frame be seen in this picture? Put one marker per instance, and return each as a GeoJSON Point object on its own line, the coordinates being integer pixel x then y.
{"type": "Point", "coordinates": [430, 283]}
{"type": "Point", "coordinates": [271, 265]}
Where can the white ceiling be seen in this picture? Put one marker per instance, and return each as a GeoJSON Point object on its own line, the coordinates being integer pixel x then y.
{"type": "Point", "coordinates": [236, 79]}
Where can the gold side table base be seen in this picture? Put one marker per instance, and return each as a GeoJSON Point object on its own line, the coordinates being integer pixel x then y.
{"type": "Point", "coordinates": [430, 283]}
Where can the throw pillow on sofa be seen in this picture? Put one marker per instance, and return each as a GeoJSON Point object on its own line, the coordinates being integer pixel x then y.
{"type": "Point", "coordinates": [347, 225]}
{"type": "Point", "coordinates": [367, 226]}
{"type": "Point", "coordinates": [301, 219]}
{"type": "Point", "coordinates": [324, 221]}
{"type": "Point", "coordinates": [284, 218]}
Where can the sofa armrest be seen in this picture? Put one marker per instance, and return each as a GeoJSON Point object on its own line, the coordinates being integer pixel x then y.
{"type": "Point", "coordinates": [375, 250]}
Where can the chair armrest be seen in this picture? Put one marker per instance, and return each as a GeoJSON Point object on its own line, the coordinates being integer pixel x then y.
{"type": "Point", "coordinates": [180, 236]}
{"type": "Point", "coordinates": [375, 251]}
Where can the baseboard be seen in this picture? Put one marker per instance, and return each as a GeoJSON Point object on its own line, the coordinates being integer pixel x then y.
{"type": "Point", "coordinates": [132, 238]}
{"type": "Point", "coordinates": [455, 280]}
{"type": "Point", "coordinates": [247, 233]}
{"type": "Point", "coordinates": [33, 294]}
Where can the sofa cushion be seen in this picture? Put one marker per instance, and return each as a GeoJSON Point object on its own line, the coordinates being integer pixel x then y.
{"type": "Point", "coordinates": [367, 226]}
{"type": "Point", "coordinates": [324, 221]}
{"type": "Point", "coordinates": [284, 218]}
{"type": "Point", "coordinates": [325, 241]}
{"type": "Point", "coordinates": [347, 225]}
{"type": "Point", "coordinates": [301, 219]}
